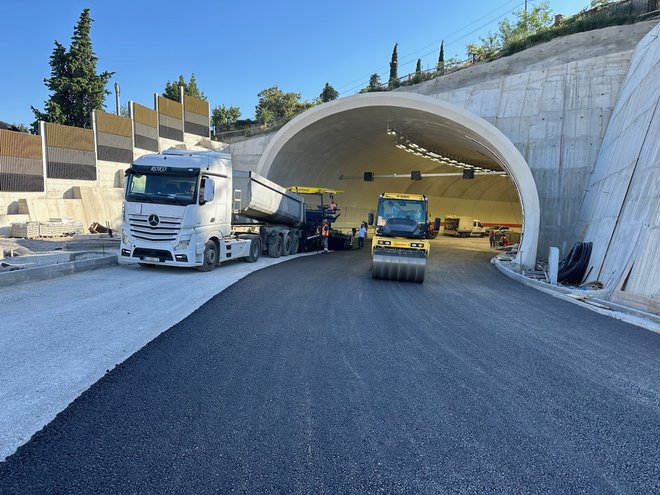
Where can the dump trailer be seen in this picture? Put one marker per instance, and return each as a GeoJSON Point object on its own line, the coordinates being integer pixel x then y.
{"type": "Point", "coordinates": [191, 209]}
{"type": "Point", "coordinates": [400, 245]}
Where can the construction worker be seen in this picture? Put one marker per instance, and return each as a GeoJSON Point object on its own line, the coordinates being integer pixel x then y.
{"type": "Point", "coordinates": [362, 233]}
{"type": "Point", "coordinates": [333, 205]}
{"type": "Point", "coordinates": [325, 234]}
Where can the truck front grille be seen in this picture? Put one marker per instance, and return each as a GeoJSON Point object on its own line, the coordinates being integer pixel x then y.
{"type": "Point", "coordinates": [165, 231]}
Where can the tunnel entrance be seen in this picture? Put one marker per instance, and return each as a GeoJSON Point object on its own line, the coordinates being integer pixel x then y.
{"type": "Point", "coordinates": [404, 142]}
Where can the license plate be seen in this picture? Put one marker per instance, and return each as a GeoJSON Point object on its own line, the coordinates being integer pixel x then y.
{"type": "Point", "coordinates": [149, 258]}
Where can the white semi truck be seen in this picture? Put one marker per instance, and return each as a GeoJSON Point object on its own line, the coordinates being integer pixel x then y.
{"type": "Point", "coordinates": [191, 209]}
{"type": "Point", "coordinates": [463, 227]}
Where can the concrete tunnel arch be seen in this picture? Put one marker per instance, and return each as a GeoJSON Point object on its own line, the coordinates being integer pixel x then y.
{"type": "Point", "coordinates": [289, 153]}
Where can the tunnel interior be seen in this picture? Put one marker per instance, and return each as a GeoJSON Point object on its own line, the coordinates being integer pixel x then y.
{"type": "Point", "coordinates": [394, 136]}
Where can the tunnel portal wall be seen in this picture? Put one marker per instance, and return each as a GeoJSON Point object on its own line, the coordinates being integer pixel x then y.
{"type": "Point", "coordinates": [554, 102]}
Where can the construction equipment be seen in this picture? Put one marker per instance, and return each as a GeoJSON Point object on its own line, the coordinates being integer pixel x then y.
{"type": "Point", "coordinates": [320, 205]}
{"type": "Point", "coordinates": [400, 245]}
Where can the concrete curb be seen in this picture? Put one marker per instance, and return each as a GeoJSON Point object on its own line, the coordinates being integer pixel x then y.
{"type": "Point", "coordinates": [586, 298]}
{"type": "Point", "coordinates": [58, 270]}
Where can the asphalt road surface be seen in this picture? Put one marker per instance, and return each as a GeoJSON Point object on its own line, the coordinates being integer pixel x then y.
{"type": "Point", "coordinates": [310, 377]}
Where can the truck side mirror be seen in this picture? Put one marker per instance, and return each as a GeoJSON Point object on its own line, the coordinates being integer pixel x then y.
{"type": "Point", "coordinates": [208, 190]}
{"type": "Point", "coordinates": [436, 224]}
{"type": "Point", "coordinates": [371, 218]}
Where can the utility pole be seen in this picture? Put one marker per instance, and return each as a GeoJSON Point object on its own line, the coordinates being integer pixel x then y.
{"type": "Point", "coordinates": [117, 96]}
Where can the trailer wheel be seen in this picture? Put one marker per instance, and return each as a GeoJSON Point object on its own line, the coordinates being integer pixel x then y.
{"type": "Point", "coordinates": [286, 245]}
{"type": "Point", "coordinates": [210, 257]}
{"type": "Point", "coordinates": [275, 247]}
{"type": "Point", "coordinates": [255, 251]}
{"type": "Point", "coordinates": [295, 243]}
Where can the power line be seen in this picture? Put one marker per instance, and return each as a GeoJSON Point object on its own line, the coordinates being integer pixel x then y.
{"type": "Point", "coordinates": [351, 86]}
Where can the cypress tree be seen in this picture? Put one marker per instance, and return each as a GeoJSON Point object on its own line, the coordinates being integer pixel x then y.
{"type": "Point", "coordinates": [394, 69]}
{"type": "Point", "coordinates": [441, 58]}
{"type": "Point", "coordinates": [418, 72]}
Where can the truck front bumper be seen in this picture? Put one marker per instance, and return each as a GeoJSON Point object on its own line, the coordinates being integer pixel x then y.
{"type": "Point", "coordinates": [157, 254]}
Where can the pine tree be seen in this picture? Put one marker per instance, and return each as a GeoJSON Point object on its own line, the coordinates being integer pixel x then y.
{"type": "Point", "coordinates": [328, 94]}
{"type": "Point", "coordinates": [393, 81]}
{"type": "Point", "coordinates": [77, 90]}
{"type": "Point", "coordinates": [374, 84]}
{"type": "Point", "coordinates": [190, 88]}
{"type": "Point", "coordinates": [441, 58]}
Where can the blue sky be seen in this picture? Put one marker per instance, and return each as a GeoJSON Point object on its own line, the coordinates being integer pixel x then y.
{"type": "Point", "coordinates": [237, 49]}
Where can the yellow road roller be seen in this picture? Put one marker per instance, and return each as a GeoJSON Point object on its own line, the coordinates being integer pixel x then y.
{"type": "Point", "coordinates": [400, 244]}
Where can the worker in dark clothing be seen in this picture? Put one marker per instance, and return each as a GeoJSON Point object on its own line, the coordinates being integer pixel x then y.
{"type": "Point", "coordinates": [491, 238]}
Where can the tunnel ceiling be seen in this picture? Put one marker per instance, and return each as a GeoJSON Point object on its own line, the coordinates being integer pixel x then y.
{"type": "Point", "coordinates": [336, 150]}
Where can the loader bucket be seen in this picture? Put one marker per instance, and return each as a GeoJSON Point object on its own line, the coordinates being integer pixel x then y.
{"type": "Point", "coordinates": [401, 265]}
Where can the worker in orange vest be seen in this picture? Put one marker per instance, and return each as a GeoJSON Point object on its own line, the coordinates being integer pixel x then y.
{"type": "Point", "coordinates": [325, 234]}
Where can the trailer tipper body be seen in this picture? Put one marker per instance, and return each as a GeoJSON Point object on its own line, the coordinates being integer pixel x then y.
{"type": "Point", "coordinates": [191, 209]}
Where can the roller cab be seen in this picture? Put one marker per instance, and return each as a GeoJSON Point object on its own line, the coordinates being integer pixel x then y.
{"type": "Point", "coordinates": [400, 244]}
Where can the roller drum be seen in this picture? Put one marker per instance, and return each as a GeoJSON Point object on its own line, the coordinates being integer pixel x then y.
{"type": "Point", "coordinates": [404, 266]}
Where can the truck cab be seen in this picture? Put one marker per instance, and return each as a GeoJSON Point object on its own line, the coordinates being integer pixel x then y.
{"type": "Point", "coordinates": [177, 209]}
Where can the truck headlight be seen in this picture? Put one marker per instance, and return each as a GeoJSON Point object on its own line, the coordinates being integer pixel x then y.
{"type": "Point", "coordinates": [182, 245]}
{"type": "Point", "coordinates": [124, 237]}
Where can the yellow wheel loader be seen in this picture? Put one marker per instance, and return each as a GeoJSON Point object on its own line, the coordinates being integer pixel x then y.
{"type": "Point", "coordinates": [400, 244]}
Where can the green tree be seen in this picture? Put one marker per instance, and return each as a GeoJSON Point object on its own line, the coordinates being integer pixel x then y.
{"type": "Point", "coordinates": [190, 88]}
{"type": "Point", "coordinates": [374, 84]}
{"type": "Point", "coordinates": [275, 104]}
{"type": "Point", "coordinates": [528, 22]}
{"type": "Point", "coordinates": [76, 89]}
{"type": "Point", "coordinates": [222, 117]}
{"type": "Point", "coordinates": [490, 45]}
{"type": "Point", "coordinates": [328, 94]}
{"type": "Point", "coordinates": [393, 81]}
{"type": "Point", "coordinates": [417, 78]}
{"type": "Point", "coordinates": [441, 58]}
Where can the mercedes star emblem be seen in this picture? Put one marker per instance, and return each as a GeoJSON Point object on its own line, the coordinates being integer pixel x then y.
{"type": "Point", "coordinates": [153, 220]}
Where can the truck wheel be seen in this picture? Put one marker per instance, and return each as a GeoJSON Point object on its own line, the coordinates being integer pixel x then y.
{"type": "Point", "coordinates": [275, 247]}
{"type": "Point", "coordinates": [210, 257]}
{"type": "Point", "coordinates": [286, 245]}
{"type": "Point", "coordinates": [255, 251]}
{"type": "Point", "coordinates": [295, 244]}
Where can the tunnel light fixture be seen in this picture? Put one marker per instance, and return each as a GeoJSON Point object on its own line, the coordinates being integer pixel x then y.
{"type": "Point", "coordinates": [407, 144]}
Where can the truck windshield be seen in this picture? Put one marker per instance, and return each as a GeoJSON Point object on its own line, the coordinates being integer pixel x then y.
{"type": "Point", "coordinates": [401, 208]}
{"type": "Point", "coordinates": [166, 189]}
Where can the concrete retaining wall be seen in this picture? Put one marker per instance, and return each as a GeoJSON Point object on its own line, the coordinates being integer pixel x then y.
{"type": "Point", "coordinates": [621, 209]}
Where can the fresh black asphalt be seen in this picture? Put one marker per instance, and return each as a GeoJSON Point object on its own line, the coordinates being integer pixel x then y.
{"type": "Point", "coordinates": [309, 377]}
